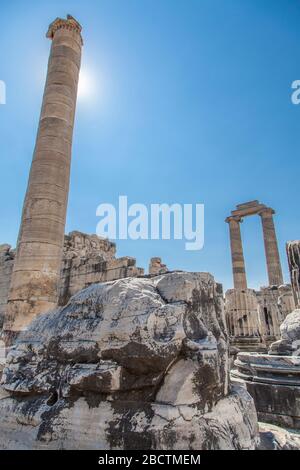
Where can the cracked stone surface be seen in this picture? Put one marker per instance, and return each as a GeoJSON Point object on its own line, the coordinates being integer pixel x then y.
{"type": "Point", "coordinates": [137, 363]}
{"type": "Point", "coordinates": [277, 438]}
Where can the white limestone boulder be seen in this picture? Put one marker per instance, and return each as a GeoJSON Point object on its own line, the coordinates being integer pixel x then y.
{"type": "Point", "coordinates": [129, 364]}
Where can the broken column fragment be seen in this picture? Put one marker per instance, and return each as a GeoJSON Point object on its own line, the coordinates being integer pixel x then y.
{"type": "Point", "coordinates": [157, 267]}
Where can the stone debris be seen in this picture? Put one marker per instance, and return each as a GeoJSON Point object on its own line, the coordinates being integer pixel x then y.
{"type": "Point", "coordinates": [157, 267]}
{"type": "Point", "coordinates": [137, 363]}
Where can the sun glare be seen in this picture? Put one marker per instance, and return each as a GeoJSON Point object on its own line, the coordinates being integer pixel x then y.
{"type": "Point", "coordinates": [85, 85]}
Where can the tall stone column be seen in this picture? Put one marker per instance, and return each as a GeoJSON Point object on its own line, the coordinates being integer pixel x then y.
{"type": "Point", "coordinates": [34, 285]}
{"type": "Point", "coordinates": [237, 255]}
{"type": "Point", "coordinates": [271, 247]}
{"type": "Point", "coordinates": [293, 254]}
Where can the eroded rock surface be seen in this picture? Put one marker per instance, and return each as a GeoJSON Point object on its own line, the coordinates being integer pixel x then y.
{"type": "Point", "coordinates": [128, 364]}
{"type": "Point", "coordinates": [276, 438]}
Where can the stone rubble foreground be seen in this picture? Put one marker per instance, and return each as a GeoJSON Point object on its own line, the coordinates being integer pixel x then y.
{"type": "Point", "coordinates": [129, 364]}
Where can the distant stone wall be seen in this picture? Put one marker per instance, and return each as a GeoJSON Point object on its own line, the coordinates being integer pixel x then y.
{"type": "Point", "coordinates": [275, 303]}
{"type": "Point", "coordinates": [87, 259]}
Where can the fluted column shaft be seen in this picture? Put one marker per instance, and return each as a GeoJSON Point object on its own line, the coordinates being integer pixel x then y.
{"type": "Point", "coordinates": [293, 254]}
{"type": "Point", "coordinates": [271, 248]}
{"type": "Point", "coordinates": [237, 255]}
{"type": "Point", "coordinates": [34, 285]}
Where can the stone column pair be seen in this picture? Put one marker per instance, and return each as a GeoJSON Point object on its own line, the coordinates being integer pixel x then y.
{"type": "Point", "coordinates": [271, 250]}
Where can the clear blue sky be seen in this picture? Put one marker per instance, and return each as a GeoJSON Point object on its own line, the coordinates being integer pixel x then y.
{"type": "Point", "coordinates": [190, 103]}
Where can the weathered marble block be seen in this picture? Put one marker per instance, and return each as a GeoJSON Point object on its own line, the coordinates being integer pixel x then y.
{"type": "Point", "coordinates": [137, 363]}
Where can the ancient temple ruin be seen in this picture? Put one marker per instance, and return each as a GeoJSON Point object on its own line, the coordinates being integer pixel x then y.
{"type": "Point", "coordinates": [270, 241]}
{"type": "Point", "coordinates": [254, 317]}
{"type": "Point", "coordinates": [121, 360]}
{"type": "Point", "coordinates": [273, 379]}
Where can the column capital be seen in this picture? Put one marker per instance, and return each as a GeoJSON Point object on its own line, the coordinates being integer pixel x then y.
{"type": "Point", "coordinates": [266, 211]}
{"type": "Point", "coordinates": [70, 23]}
{"type": "Point", "coordinates": [234, 218]}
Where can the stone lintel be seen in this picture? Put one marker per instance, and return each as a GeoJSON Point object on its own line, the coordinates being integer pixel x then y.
{"type": "Point", "coordinates": [253, 210]}
{"type": "Point", "coordinates": [246, 205]}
